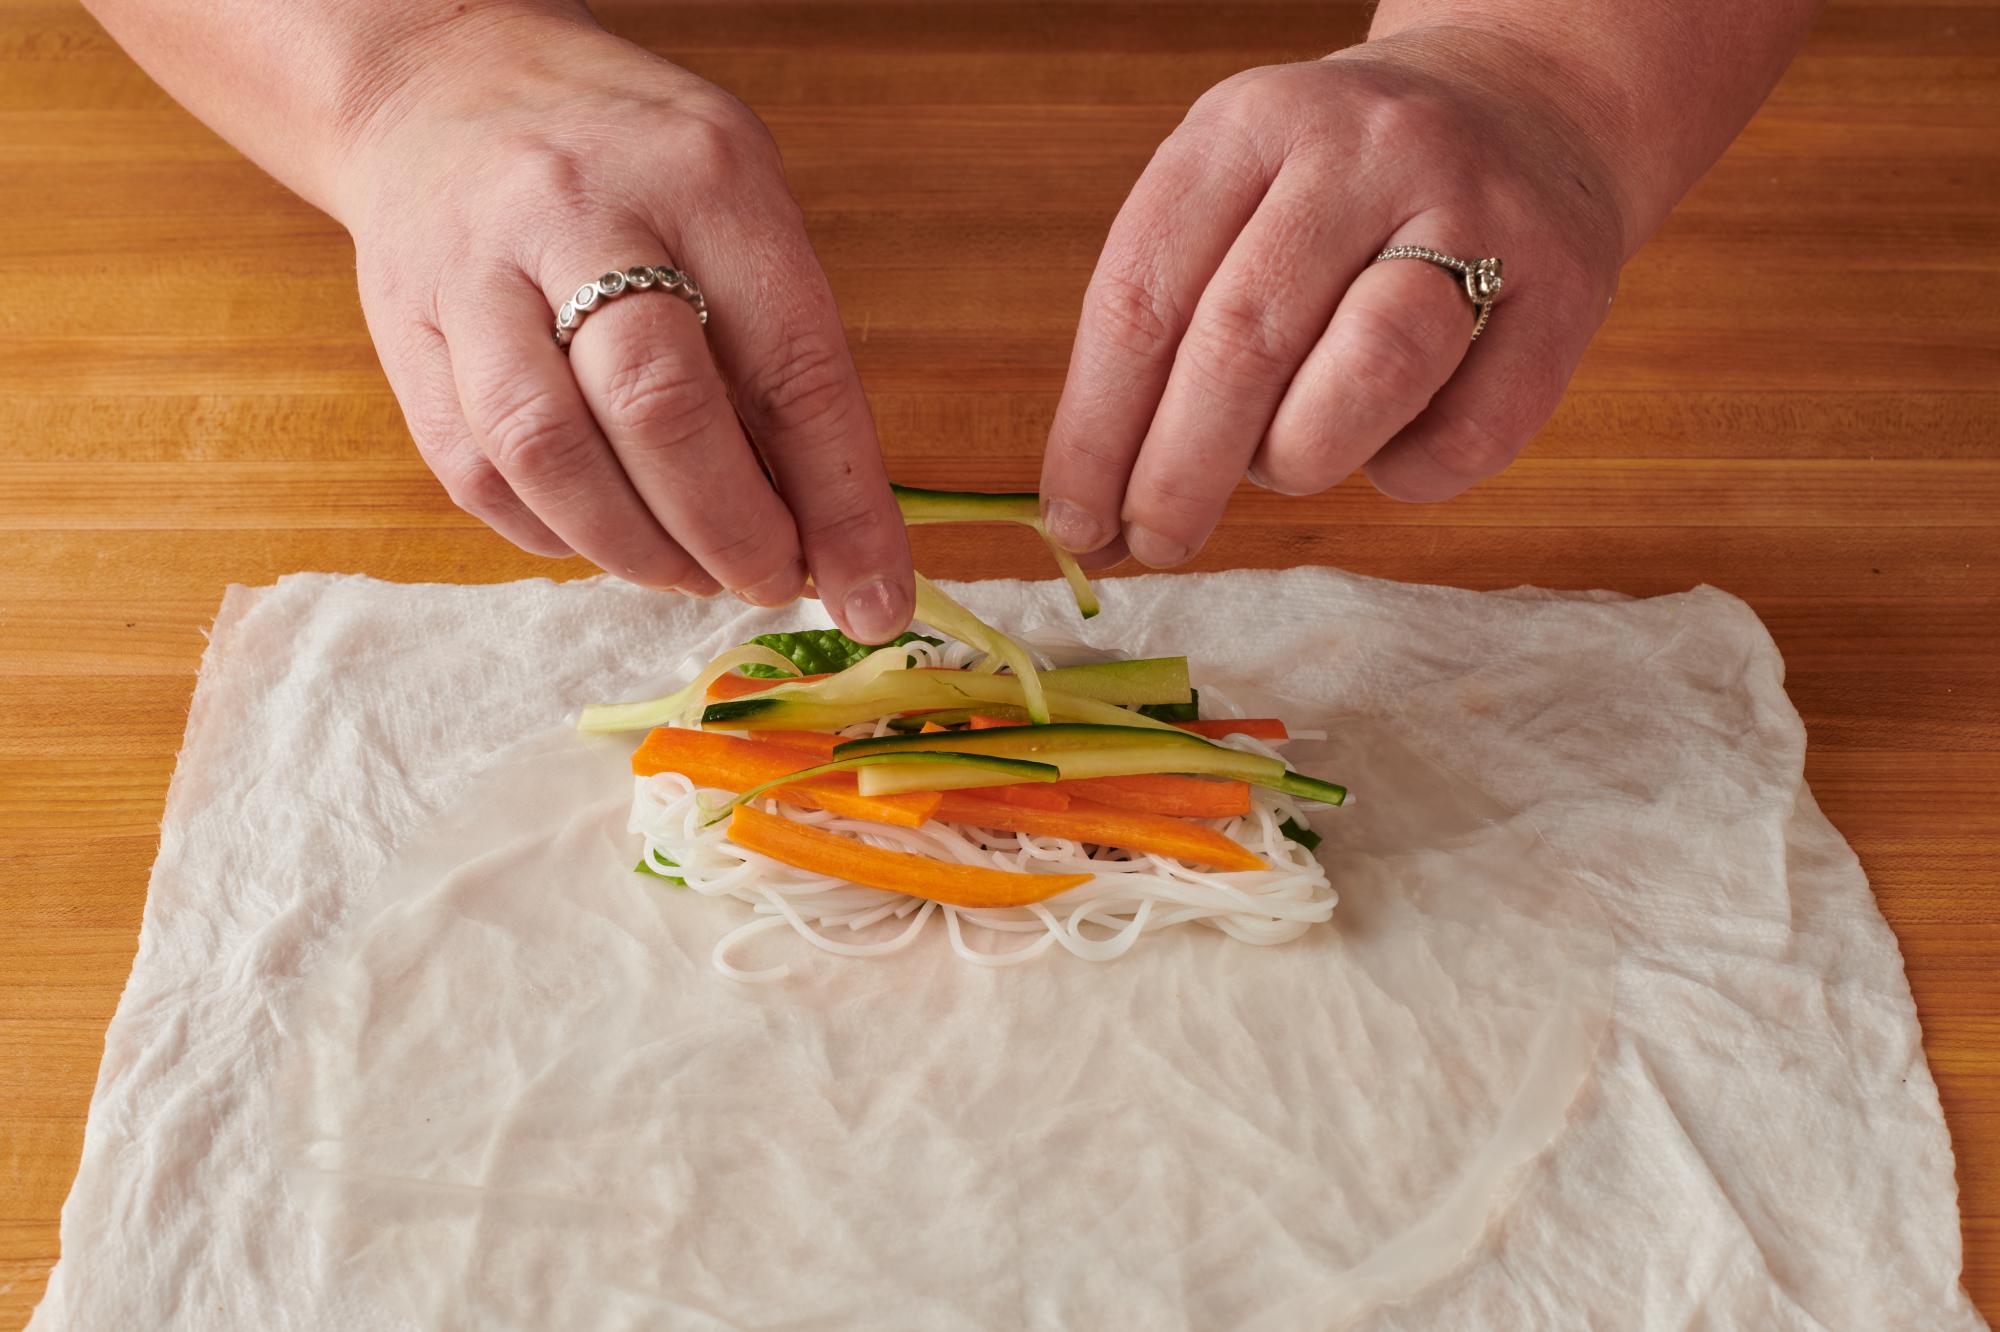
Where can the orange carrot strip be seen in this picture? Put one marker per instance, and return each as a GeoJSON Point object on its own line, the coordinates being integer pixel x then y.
{"type": "Point", "coordinates": [730, 763]}
{"type": "Point", "coordinates": [1257, 728]}
{"type": "Point", "coordinates": [821, 852]}
{"type": "Point", "coordinates": [1029, 795]}
{"type": "Point", "coordinates": [932, 728]}
{"type": "Point", "coordinates": [736, 686]}
{"type": "Point", "coordinates": [1084, 821]}
{"type": "Point", "coordinates": [980, 723]}
{"type": "Point", "coordinates": [820, 743]}
{"type": "Point", "coordinates": [1163, 793]}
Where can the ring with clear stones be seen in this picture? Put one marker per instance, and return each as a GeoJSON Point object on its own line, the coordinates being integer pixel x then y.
{"type": "Point", "coordinates": [611, 286]}
{"type": "Point", "coordinates": [1481, 277]}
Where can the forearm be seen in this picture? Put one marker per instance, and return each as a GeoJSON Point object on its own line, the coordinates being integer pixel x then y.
{"type": "Point", "coordinates": [1659, 89]}
{"type": "Point", "coordinates": [294, 85]}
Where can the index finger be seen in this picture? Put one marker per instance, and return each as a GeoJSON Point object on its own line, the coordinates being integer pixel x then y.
{"type": "Point", "coordinates": [1157, 259]}
{"type": "Point", "coordinates": [778, 340]}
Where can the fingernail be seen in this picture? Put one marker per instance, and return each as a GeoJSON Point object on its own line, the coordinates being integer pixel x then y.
{"type": "Point", "coordinates": [780, 589]}
{"type": "Point", "coordinates": [877, 611]}
{"type": "Point", "coordinates": [1073, 527]}
{"type": "Point", "coordinates": [698, 585]}
{"type": "Point", "coordinates": [1153, 550]}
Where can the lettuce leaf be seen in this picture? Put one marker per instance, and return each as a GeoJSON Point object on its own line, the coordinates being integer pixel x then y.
{"type": "Point", "coordinates": [819, 651]}
{"type": "Point", "coordinates": [1301, 834]}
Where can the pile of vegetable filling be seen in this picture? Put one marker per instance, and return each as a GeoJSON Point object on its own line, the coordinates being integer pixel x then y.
{"type": "Point", "coordinates": [852, 793]}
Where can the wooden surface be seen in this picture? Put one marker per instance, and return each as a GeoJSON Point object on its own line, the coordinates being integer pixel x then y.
{"type": "Point", "coordinates": [1797, 399]}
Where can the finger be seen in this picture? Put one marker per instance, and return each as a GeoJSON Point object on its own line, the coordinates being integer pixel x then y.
{"type": "Point", "coordinates": [1509, 384]}
{"type": "Point", "coordinates": [524, 409]}
{"type": "Point", "coordinates": [779, 342]}
{"type": "Point", "coordinates": [1108, 556]}
{"type": "Point", "coordinates": [1399, 333]}
{"type": "Point", "coordinates": [419, 370]}
{"type": "Point", "coordinates": [1168, 239]}
{"type": "Point", "coordinates": [1259, 318]}
{"type": "Point", "coordinates": [642, 364]}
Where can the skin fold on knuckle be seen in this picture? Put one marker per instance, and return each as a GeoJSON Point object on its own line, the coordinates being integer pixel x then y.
{"type": "Point", "coordinates": [810, 387]}
{"type": "Point", "coordinates": [846, 524]}
{"type": "Point", "coordinates": [1237, 347]}
{"type": "Point", "coordinates": [531, 433]}
{"type": "Point", "coordinates": [1129, 312]}
{"type": "Point", "coordinates": [664, 401]}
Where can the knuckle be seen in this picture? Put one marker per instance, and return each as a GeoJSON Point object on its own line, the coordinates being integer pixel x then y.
{"type": "Point", "coordinates": [1387, 370]}
{"type": "Point", "coordinates": [809, 385]}
{"type": "Point", "coordinates": [1133, 316]}
{"type": "Point", "coordinates": [668, 399]}
{"type": "Point", "coordinates": [1236, 345]}
{"type": "Point", "coordinates": [723, 143]}
{"type": "Point", "coordinates": [846, 515]}
{"type": "Point", "coordinates": [1469, 449]}
{"type": "Point", "coordinates": [480, 491]}
{"type": "Point", "coordinates": [749, 553]}
{"type": "Point", "coordinates": [1391, 120]}
{"type": "Point", "coordinates": [530, 430]}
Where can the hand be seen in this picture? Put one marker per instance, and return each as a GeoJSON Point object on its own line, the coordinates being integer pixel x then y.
{"type": "Point", "coordinates": [527, 159]}
{"type": "Point", "coordinates": [1235, 322]}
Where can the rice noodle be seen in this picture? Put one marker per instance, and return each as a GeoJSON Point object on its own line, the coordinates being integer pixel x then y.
{"type": "Point", "coordinates": [1127, 898]}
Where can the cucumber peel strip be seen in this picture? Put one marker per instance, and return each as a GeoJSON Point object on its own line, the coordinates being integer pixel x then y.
{"type": "Point", "coordinates": [946, 616]}
{"type": "Point", "coordinates": [685, 703]}
{"type": "Point", "coordinates": [994, 771]}
{"type": "Point", "coordinates": [1024, 507]}
{"type": "Point", "coordinates": [802, 707]}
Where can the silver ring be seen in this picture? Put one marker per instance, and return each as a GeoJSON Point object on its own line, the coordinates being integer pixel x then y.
{"type": "Point", "coordinates": [613, 285]}
{"type": "Point", "coordinates": [1481, 277]}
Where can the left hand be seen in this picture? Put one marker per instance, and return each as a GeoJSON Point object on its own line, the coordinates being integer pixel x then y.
{"type": "Point", "coordinates": [1235, 323]}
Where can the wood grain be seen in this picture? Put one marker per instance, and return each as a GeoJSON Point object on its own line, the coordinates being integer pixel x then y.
{"type": "Point", "coordinates": [1797, 399]}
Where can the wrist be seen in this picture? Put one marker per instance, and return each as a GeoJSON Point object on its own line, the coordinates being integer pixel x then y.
{"type": "Point", "coordinates": [405, 71]}
{"type": "Point", "coordinates": [1563, 99]}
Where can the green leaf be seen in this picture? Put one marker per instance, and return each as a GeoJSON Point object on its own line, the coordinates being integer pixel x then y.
{"type": "Point", "coordinates": [646, 867]}
{"type": "Point", "coordinates": [1301, 834]}
{"type": "Point", "coordinates": [819, 651]}
{"type": "Point", "coordinates": [1175, 712]}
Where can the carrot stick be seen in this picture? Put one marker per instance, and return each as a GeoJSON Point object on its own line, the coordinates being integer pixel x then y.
{"type": "Point", "coordinates": [1184, 797]}
{"type": "Point", "coordinates": [1084, 821]}
{"type": "Point", "coordinates": [932, 728]}
{"type": "Point", "coordinates": [1029, 795]}
{"type": "Point", "coordinates": [821, 852]}
{"type": "Point", "coordinates": [980, 723]}
{"type": "Point", "coordinates": [736, 686]}
{"type": "Point", "coordinates": [731, 763]}
{"type": "Point", "coordinates": [1257, 728]}
{"type": "Point", "coordinates": [813, 742]}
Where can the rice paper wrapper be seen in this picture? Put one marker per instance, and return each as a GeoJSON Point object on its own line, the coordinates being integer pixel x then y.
{"type": "Point", "coordinates": [1605, 1029]}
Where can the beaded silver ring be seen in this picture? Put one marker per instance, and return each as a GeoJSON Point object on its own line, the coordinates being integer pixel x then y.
{"type": "Point", "coordinates": [613, 285]}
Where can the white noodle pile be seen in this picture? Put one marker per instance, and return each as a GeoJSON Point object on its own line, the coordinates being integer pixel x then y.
{"type": "Point", "coordinates": [1129, 895]}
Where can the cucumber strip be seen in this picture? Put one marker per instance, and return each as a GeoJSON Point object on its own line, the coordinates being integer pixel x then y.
{"type": "Point", "coordinates": [1111, 751]}
{"type": "Point", "coordinates": [684, 703]}
{"type": "Point", "coordinates": [1147, 680]}
{"type": "Point", "coordinates": [1024, 507]}
{"type": "Point", "coordinates": [945, 772]}
{"type": "Point", "coordinates": [796, 707]}
{"type": "Point", "coordinates": [940, 612]}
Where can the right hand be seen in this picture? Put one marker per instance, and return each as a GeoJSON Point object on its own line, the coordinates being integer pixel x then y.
{"type": "Point", "coordinates": [515, 160]}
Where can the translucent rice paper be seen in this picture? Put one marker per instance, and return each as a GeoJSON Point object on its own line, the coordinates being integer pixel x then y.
{"type": "Point", "coordinates": [521, 1098]}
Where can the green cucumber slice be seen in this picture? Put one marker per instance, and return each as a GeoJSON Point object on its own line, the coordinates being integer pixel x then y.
{"type": "Point", "coordinates": [926, 771]}
{"type": "Point", "coordinates": [1084, 750]}
{"type": "Point", "coordinates": [801, 707]}
{"type": "Point", "coordinates": [1024, 507]}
